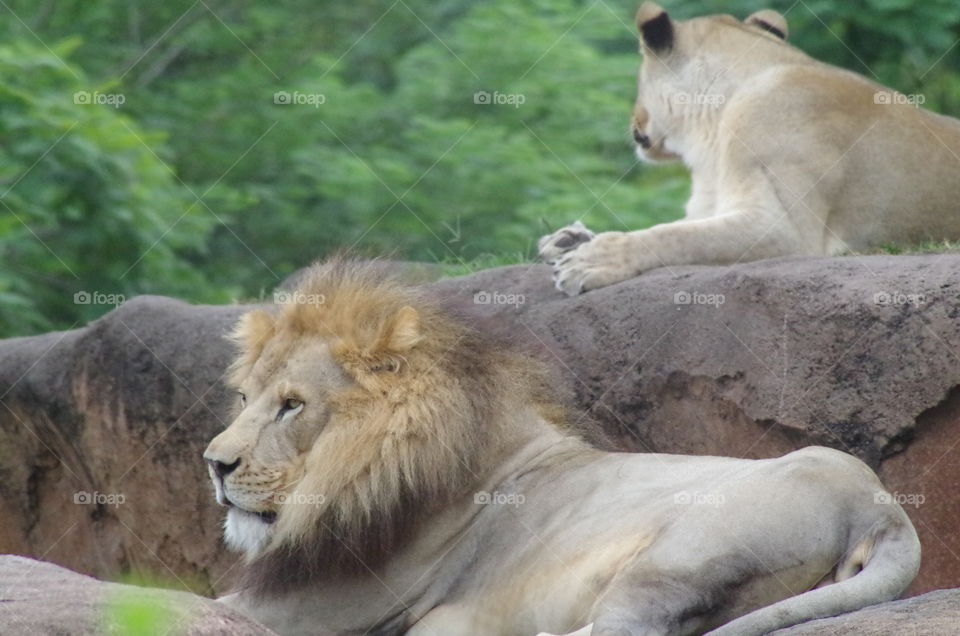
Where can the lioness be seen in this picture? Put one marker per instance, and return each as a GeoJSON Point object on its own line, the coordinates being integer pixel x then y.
{"type": "Point", "coordinates": [390, 471]}
{"type": "Point", "coordinates": [788, 155]}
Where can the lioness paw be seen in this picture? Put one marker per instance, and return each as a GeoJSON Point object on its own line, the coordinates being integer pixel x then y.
{"type": "Point", "coordinates": [553, 246]}
{"type": "Point", "coordinates": [605, 260]}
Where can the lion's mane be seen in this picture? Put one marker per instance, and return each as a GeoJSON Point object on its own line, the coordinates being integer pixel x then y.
{"type": "Point", "coordinates": [425, 417]}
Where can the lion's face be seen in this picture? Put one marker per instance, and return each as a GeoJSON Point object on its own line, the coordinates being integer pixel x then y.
{"type": "Point", "coordinates": [257, 461]}
{"type": "Point", "coordinates": [689, 69]}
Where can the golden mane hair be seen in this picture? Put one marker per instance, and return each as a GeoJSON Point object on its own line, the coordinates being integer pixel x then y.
{"type": "Point", "coordinates": [427, 414]}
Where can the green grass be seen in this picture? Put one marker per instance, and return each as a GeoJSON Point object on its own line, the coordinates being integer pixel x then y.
{"type": "Point", "coordinates": [133, 615]}
{"type": "Point", "coordinates": [925, 247]}
{"type": "Point", "coordinates": [451, 268]}
{"type": "Point", "coordinates": [133, 611]}
{"type": "Point", "coordinates": [183, 583]}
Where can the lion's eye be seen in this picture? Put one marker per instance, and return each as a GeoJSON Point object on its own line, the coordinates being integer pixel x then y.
{"type": "Point", "coordinates": [243, 399]}
{"type": "Point", "coordinates": [289, 404]}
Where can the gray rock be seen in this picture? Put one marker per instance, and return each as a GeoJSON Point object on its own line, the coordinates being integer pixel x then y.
{"type": "Point", "coordinates": [101, 434]}
{"type": "Point", "coordinates": [773, 353]}
{"type": "Point", "coordinates": [933, 614]}
{"type": "Point", "coordinates": [409, 272]}
{"type": "Point", "coordinates": [42, 598]}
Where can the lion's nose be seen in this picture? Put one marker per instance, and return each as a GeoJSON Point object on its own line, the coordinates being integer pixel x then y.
{"type": "Point", "coordinates": [640, 138]}
{"type": "Point", "coordinates": [222, 469]}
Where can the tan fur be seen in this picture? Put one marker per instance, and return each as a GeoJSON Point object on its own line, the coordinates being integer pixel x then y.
{"type": "Point", "coordinates": [788, 156]}
{"type": "Point", "coordinates": [390, 471]}
{"type": "Point", "coordinates": [405, 430]}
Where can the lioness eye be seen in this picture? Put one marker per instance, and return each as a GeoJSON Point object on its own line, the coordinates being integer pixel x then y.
{"type": "Point", "coordinates": [243, 399]}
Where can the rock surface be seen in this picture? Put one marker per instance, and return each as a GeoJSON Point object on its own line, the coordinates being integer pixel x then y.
{"type": "Point", "coordinates": [754, 360]}
{"type": "Point", "coordinates": [42, 598]}
{"type": "Point", "coordinates": [933, 614]}
{"type": "Point", "coordinates": [101, 437]}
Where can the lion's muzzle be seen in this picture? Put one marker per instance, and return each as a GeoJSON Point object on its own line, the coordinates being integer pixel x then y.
{"type": "Point", "coordinates": [641, 139]}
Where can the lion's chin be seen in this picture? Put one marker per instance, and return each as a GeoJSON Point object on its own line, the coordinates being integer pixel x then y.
{"type": "Point", "coordinates": [247, 532]}
{"type": "Point", "coordinates": [654, 155]}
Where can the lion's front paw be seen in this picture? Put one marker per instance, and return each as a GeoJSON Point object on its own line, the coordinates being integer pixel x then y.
{"type": "Point", "coordinates": [553, 246]}
{"type": "Point", "coordinates": [603, 261]}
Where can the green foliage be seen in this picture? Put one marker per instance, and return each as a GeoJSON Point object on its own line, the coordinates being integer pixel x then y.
{"type": "Point", "coordinates": [85, 200]}
{"type": "Point", "coordinates": [133, 614]}
{"type": "Point", "coordinates": [380, 144]}
{"type": "Point", "coordinates": [134, 610]}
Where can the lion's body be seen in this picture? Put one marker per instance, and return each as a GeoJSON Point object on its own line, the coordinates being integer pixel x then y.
{"type": "Point", "coordinates": [601, 535]}
{"type": "Point", "coordinates": [610, 539]}
{"type": "Point", "coordinates": [392, 472]}
{"type": "Point", "coordinates": [788, 156]}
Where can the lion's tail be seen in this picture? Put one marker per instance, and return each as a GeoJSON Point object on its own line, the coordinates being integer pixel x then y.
{"type": "Point", "coordinates": [878, 569]}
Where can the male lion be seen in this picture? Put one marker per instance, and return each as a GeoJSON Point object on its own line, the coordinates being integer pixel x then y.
{"type": "Point", "coordinates": [788, 155]}
{"type": "Point", "coordinates": [390, 471]}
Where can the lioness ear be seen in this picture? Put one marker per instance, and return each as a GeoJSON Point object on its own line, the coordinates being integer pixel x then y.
{"type": "Point", "coordinates": [655, 27]}
{"type": "Point", "coordinates": [770, 21]}
{"type": "Point", "coordinates": [403, 331]}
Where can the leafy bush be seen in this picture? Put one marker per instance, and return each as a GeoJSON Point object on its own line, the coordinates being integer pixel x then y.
{"type": "Point", "coordinates": [384, 141]}
{"type": "Point", "coordinates": [89, 213]}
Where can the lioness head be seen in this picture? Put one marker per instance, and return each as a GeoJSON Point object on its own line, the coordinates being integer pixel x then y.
{"type": "Point", "coordinates": [690, 68]}
{"type": "Point", "coordinates": [362, 408]}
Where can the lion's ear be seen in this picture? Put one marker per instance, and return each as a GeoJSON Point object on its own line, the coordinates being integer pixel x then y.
{"type": "Point", "coordinates": [402, 332]}
{"type": "Point", "coordinates": [394, 336]}
{"type": "Point", "coordinates": [771, 22]}
{"type": "Point", "coordinates": [250, 334]}
{"type": "Point", "coordinates": [655, 27]}
{"type": "Point", "coordinates": [253, 329]}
